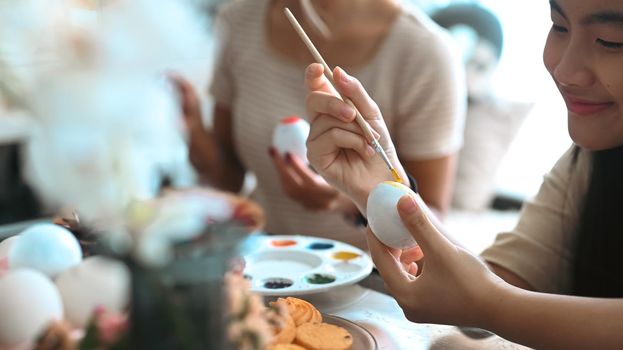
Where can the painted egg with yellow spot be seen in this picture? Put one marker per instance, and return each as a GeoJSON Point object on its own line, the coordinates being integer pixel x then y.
{"type": "Point", "coordinates": [383, 216]}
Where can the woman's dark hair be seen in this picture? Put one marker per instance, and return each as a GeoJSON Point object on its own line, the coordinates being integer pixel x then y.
{"type": "Point", "coordinates": [597, 268]}
{"type": "Point", "coordinates": [483, 21]}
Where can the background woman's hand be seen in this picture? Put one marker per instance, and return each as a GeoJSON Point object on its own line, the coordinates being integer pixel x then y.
{"type": "Point", "coordinates": [302, 184]}
{"type": "Point", "coordinates": [454, 287]}
{"type": "Point", "coordinates": [201, 144]}
{"type": "Point", "coordinates": [190, 105]}
{"type": "Point", "coordinates": [336, 146]}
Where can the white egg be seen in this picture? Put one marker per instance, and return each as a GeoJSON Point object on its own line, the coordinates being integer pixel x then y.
{"type": "Point", "coordinates": [290, 136]}
{"type": "Point", "coordinates": [48, 248]}
{"type": "Point", "coordinates": [383, 216]}
{"type": "Point", "coordinates": [29, 301]}
{"type": "Point", "coordinates": [97, 281]}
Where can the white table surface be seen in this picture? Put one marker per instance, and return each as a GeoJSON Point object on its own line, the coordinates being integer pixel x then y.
{"type": "Point", "coordinates": [380, 315]}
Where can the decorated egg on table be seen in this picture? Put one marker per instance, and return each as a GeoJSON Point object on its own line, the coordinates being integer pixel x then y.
{"type": "Point", "coordinates": [29, 301]}
{"type": "Point", "coordinates": [383, 216]}
{"type": "Point", "coordinates": [96, 281]}
{"type": "Point", "coordinates": [48, 248]}
{"type": "Point", "coordinates": [290, 136]}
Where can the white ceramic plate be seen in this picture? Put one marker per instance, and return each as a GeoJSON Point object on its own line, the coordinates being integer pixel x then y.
{"type": "Point", "coordinates": [298, 265]}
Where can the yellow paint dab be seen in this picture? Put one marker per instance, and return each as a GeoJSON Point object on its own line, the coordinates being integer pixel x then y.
{"type": "Point", "coordinates": [395, 175]}
{"type": "Point", "coordinates": [345, 256]}
{"type": "Point", "coordinates": [394, 184]}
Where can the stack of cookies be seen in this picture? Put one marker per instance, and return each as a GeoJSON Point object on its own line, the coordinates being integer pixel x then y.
{"type": "Point", "coordinates": [301, 328]}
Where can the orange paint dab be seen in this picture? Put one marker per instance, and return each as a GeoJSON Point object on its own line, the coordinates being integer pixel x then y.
{"type": "Point", "coordinates": [283, 243]}
{"type": "Point", "coordinates": [345, 256]}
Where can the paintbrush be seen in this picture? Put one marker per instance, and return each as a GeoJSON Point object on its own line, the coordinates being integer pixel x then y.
{"type": "Point", "coordinates": [329, 74]}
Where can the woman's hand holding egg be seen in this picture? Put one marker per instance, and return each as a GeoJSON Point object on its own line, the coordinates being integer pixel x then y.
{"type": "Point", "coordinates": [336, 146]}
{"type": "Point", "coordinates": [301, 184]}
{"type": "Point", "coordinates": [454, 287]}
{"type": "Point", "coordinates": [298, 181]}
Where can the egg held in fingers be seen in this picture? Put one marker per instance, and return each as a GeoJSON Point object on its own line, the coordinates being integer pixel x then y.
{"type": "Point", "coordinates": [383, 216]}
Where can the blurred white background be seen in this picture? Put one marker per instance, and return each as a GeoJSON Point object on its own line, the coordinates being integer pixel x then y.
{"type": "Point", "coordinates": [543, 137]}
{"type": "Point", "coordinates": [521, 76]}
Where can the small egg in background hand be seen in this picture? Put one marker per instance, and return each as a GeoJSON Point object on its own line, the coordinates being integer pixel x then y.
{"type": "Point", "coordinates": [96, 281]}
{"type": "Point", "coordinates": [48, 248]}
{"type": "Point", "coordinates": [290, 136]}
{"type": "Point", "coordinates": [29, 301]}
{"type": "Point", "coordinates": [383, 216]}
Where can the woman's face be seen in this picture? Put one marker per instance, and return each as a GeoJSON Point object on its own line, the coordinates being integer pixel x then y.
{"type": "Point", "coordinates": [584, 55]}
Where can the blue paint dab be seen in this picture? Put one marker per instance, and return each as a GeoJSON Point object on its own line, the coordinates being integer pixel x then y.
{"type": "Point", "coordinates": [321, 246]}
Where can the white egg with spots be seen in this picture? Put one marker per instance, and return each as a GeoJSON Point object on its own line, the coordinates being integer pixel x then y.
{"type": "Point", "coordinates": [383, 216]}
{"type": "Point", "coordinates": [290, 136]}
{"type": "Point", "coordinates": [48, 248]}
{"type": "Point", "coordinates": [29, 301]}
{"type": "Point", "coordinates": [97, 281]}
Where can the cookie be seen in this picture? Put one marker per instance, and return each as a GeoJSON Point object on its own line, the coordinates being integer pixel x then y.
{"type": "Point", "coordinates": [302, 311]}
{"type": "Point", "coordinates": [323, 336]}
{"type": "Point", "coordinates": [285, 347]}
{"type": "Point", "coordinates": [285, 333]}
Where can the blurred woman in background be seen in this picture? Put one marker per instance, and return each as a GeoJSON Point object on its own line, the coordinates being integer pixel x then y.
{"type": "Point", "coordinates": [403, 58]}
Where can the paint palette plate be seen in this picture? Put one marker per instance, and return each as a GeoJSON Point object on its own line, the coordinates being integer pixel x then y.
{"type": "Point", "coordinates": [298, 265]}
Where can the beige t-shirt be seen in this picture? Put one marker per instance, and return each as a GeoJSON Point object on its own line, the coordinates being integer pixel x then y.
{"type": "Point", "coordinates": [539, 248]}
{"type": "Point", "coordinates": [415, 77]}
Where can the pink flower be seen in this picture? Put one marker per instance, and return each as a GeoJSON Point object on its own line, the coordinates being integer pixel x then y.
{"type": "Point", "coordinates": [110, 326]}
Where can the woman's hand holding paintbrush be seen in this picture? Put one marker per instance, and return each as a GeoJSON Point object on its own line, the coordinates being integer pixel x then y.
{"type": "Point", "coordinates": [327, 71]}
{"type": "Point", "coordinates": [338, 148]}
{"type": "Point", "coordinates": [342, 151]}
